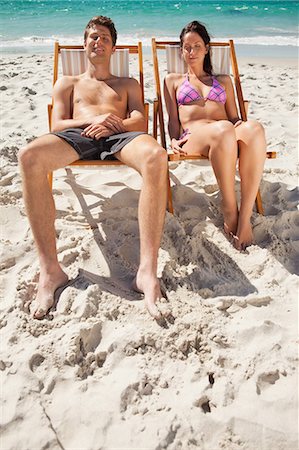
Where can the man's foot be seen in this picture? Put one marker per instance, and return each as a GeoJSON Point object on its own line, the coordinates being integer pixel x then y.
{"type": "Point", "coordinates": [244, 235]}
{"type": "Point", "coordinates": [47, 286]}
{"type": "Point", "coordinates": [150, 287]}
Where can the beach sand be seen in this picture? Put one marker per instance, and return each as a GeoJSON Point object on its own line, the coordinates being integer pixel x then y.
{"type": "Point", "coordinates": [99, 373]}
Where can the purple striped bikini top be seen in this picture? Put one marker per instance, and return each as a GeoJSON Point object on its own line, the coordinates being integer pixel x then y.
{"type": "Point", "coordinates": [187, 93]}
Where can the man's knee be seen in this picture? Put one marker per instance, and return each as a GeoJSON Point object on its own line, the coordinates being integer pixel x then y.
{"type": "Point", "coordinates": [155, 159]}
{"type": "Point", "coordinates": [28, 156]}
{"type": "Point", "coordinates": [34, 156]}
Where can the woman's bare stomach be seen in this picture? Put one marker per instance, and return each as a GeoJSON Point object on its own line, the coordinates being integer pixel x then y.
{"type": "Point", "coordinates": [197, 114]}
{"type": "Point", "coordinates": [195, 123]}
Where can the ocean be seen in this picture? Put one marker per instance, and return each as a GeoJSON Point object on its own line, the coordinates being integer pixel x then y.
{"type": "Point", "coordinates": [262, 27]}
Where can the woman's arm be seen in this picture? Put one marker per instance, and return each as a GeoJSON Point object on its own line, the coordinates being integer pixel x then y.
{"type": "Point", "coordinates": [174, 125]}
{"type": "Point", "coordinates": [171, 106]}
{"type": "Point", "coordinates": [230, 105]}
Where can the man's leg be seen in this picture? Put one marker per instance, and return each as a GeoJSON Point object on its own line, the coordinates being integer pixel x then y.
{"type": "Point", "coordinates": [146, 156]}
{"type": "Point", "coordinates": [36, 160]}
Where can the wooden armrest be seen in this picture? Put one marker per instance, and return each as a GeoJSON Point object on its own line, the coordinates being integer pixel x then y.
{"type": "Point", "coordinates": [246, 105]}
{"type": "Point", "coordinates": [271, 155]}
{"type": "Point", "coordinates": [176, 157]}
{"type": "Point", "coordinates": [50, 108]}
{"type": "Point", "coordinates": [146, 110]}
{"type": "Point", "coordinates": [173, 156]}
{"type": "Point", "coordinates": [155, 118]}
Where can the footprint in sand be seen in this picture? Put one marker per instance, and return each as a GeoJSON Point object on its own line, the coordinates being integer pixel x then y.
{"type": "Point", "coordinates": [265, 379]}
{"type": "Point", "coordinates": [35, 361]}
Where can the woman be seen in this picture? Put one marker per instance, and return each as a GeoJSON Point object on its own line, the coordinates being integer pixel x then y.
{"type": "Point", "coordinates": [204, 107]}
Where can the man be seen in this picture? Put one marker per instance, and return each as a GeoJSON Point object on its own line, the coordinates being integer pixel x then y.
{"type": "Point", "coordinates": [95, 115]}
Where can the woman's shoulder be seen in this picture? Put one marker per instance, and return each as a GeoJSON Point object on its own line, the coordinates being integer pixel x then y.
{"type": "Point", "coordinates": [173, 76]}
{"type": "Point", "coordinates": [223, 79]}
{"type": "Point", "coordinates": [173, 80]}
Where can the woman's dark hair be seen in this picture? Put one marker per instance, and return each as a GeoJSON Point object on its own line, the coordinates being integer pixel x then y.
{"type": "Point", "coordinates": [200, 29]}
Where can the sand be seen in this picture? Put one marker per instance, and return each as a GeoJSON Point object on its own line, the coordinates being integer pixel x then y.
{"type": "Point", "coordinates": [99, 373]}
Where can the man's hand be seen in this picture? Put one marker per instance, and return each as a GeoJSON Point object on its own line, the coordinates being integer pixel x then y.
{"type": "Point", "coordinates": [103, 123]}
{"type": "Point", "coordinates": [177, 143]}
{"type": "Point", "coordinates": [97, 132]}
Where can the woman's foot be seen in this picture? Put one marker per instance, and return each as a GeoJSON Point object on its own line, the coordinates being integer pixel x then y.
{"type": "Point", "coordinates": [230, 217]}
{"type": "Point", "coordinates": [47, 286]}
{"type": "Point", "coordinates": [244, 235]}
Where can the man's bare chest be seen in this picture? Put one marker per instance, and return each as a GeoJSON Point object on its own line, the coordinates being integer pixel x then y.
{"type": "Point", "coordinates": [96, 93]}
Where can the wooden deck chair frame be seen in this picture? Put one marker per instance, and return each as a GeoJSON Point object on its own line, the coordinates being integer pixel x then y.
{"type": "Point", "coordinates": [158, 115]}
{"type": "Point", "coordinates": [133, 49]}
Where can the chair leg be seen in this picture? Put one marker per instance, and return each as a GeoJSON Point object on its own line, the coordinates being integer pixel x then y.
{"type": "Point", "coordinates": [259, 204]}
{"type": "Point", "coordinates": [155, 119]}
{"type": "Point", "coordinates": [50, 180]}
{"type": "Point", "coordinates": [169, 196]}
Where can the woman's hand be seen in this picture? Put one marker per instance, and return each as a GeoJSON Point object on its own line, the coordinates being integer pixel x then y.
{"type": "Point", "coordinates": [177, 143]}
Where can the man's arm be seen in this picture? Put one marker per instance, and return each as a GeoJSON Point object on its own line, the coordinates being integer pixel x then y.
{"type": "Point", "coordinates": [62, 112]}
{"type": "Point", "coordinates": [136, 120]}
{"type": "Point", "coordinates": [62, 115]}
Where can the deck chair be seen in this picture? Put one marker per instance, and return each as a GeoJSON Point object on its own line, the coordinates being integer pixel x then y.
{"type": "Point", "coordinates": [224, 62]}
{"type": "Point", "coordinates": [74, 62]}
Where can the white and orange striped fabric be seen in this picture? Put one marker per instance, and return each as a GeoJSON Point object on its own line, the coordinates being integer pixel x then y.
{"type": "Point", "coordinates": [220, 60]}
{"type": "Point", "coordinates": [74, 62]}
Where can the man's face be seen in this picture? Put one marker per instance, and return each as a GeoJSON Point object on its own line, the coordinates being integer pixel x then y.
{"type": "Point", "coordinates": [98, 43]}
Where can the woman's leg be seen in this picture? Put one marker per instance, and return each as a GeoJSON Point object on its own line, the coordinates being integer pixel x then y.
{"type": "Point", "coordinates": [252, 154]}
{"type": "Point", "coordinates": [217, 140]}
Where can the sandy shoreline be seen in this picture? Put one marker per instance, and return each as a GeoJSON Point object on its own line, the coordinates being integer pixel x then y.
{"type": "Point", "coordinates": [101, 374]}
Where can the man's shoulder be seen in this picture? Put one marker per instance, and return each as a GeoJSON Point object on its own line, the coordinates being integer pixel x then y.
{"type": "Point", "coordinates": [67, 81]}
{"type": "Point", "coordinates": [127, 81]}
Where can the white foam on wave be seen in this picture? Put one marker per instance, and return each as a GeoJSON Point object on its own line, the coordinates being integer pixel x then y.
{"type": "Point", "coordinates": [39, 41]}
{"type": "Point", "coordinates": [268, 40]}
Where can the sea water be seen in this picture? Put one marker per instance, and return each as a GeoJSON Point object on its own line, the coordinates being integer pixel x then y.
{"type": "Point", "coordinates": [262, 27]}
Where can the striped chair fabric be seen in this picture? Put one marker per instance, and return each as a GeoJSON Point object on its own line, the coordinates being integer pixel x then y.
{"type": "Point", "coordinates": [220, 60]}
{"type": "Point", "coordinates": [74, 62]}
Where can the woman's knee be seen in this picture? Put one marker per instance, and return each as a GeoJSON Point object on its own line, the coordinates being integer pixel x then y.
{"type": "Point", "coordinates": [254, 129]}
{"type": "Point", "coordinates": [223, 131]}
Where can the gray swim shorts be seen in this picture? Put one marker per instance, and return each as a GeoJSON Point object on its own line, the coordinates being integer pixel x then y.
{"type": "Point", "coordinates": [104, 148]}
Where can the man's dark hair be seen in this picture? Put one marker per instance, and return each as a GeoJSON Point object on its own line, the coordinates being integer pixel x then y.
{"type": "Point", "coordinates": [200, 29]}
{"type": "Point", "coordinates": [105, 22]}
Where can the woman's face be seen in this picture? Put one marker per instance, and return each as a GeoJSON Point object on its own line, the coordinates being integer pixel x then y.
{"type": "Point", "coordinates": [194, 49]}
